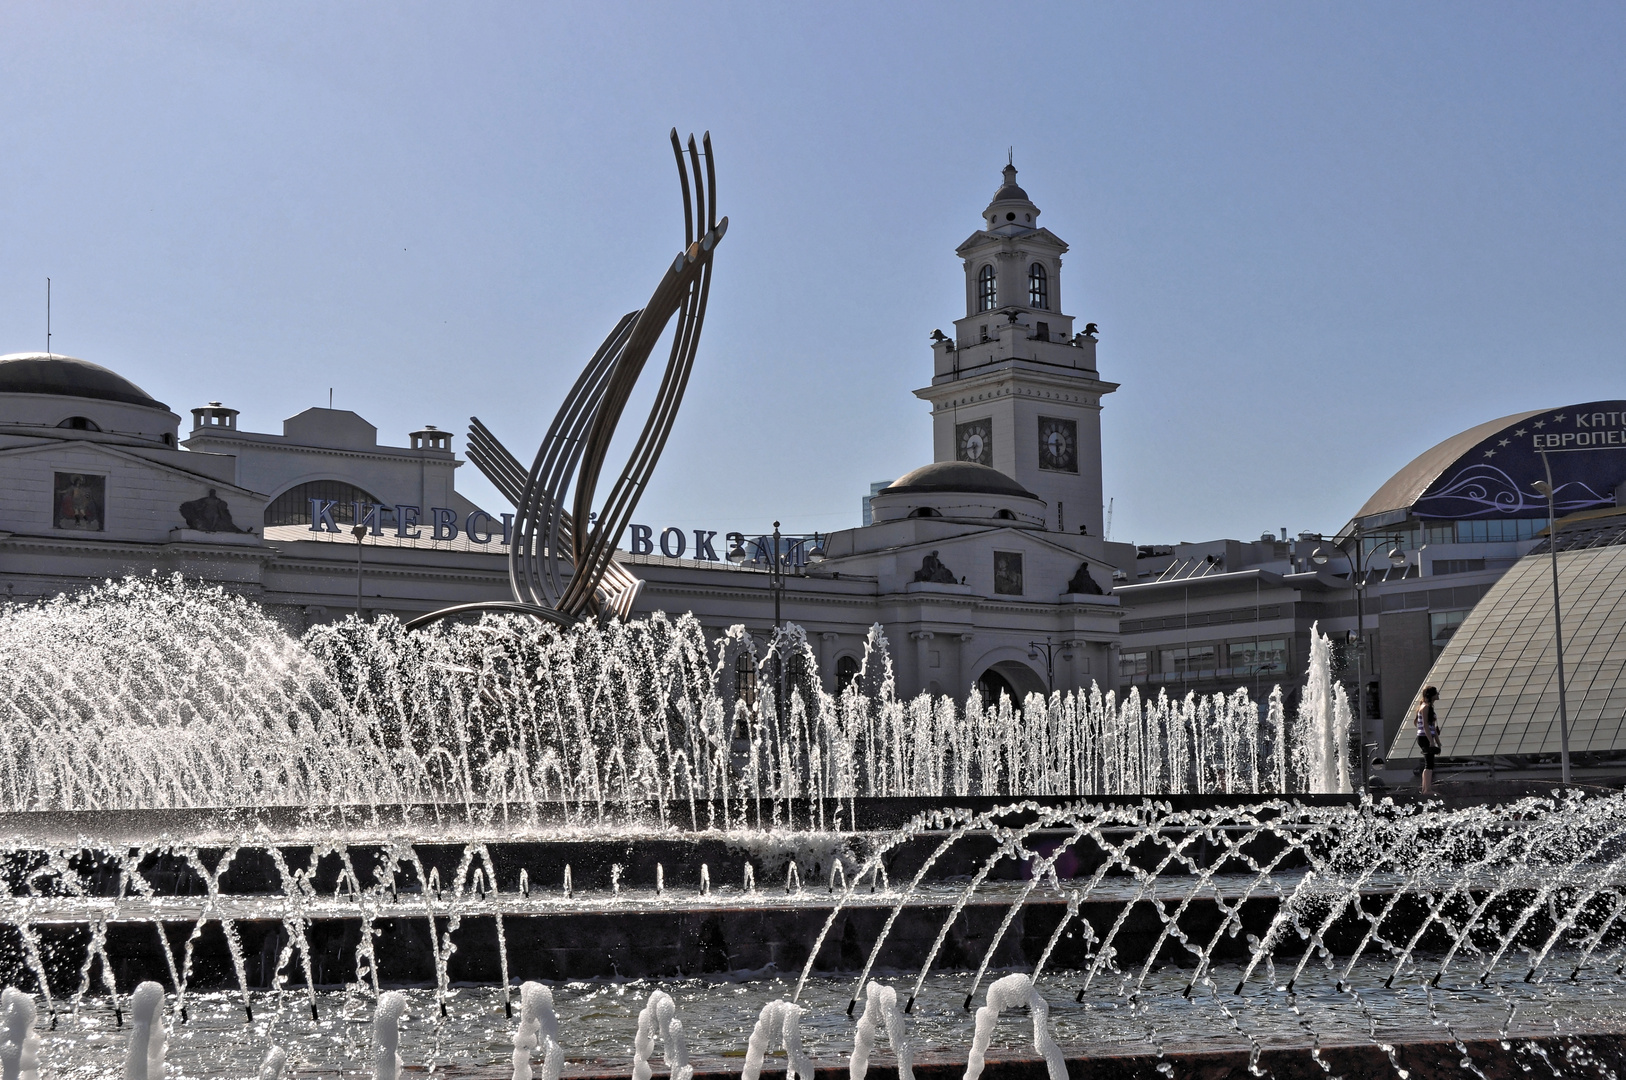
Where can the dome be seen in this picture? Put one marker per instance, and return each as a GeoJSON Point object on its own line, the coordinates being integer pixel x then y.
{"type": "Point", "coordinates": [1010, 191]}
{"type": "Point", "coordinates": [1404, 488]}
{"type": "Point", "coordinates": [49, 373]}
{"type": "Point", "coordinates": [1489, 471]}
{"type": "Point", "coordinates": [959, 477]}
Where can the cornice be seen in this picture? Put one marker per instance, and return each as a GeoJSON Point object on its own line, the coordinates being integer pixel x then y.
{"type": "Point", "coordinates": [983, 238]}
{"type": "Point", "coordinates": [998, 381]}
{"type": "Point", "coordinates": [51, 434]}
{"type": "Point", "coordinates": [395, 454]}
{"type": "Point", "coordinates": [826, 599]}
{"type": "Point", "coordinates": [117, 451]}
{"type": "Point", "coordinates": [112, 549]}
{"type": "Point", "coordinates": [385, 570]}
{"type": "Point", "coordinates": [228, 551]}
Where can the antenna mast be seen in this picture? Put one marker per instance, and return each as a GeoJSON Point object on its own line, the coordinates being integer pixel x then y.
{"type": "Point", "coordinates": [47, 316]}
{"type": "Point", "coordinates": [1107, 533]}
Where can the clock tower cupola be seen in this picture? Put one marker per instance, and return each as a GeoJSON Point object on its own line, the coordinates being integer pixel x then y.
{"type": "Point", "coordinates": [1011, 211]}
{"type": "Point", "coordinates": [1014, 386]}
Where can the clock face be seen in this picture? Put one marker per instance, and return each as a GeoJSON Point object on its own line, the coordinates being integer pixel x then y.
{"type": "Point", "coordinates": [974, 441]}
{"type": "Point", "coordinates": [1058, 444]}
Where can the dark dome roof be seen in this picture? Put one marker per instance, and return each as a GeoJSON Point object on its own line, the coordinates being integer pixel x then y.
{"type": "Point", "coordinates": [49, 373]}
{"type": "Point", "coordinates": [959, 477]}
{"type": "Point", "coordinates": [1405, 487]}
{"type": "Point", "coordinates": [1489, 471]}
{"type": "Point", "coordinates": [1010, 191]}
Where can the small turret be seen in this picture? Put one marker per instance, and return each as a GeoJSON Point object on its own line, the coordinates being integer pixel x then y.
{"type": "Point", "coordinates": [429, 437]}
{"type": "Point", "coordinates": [214, 415]}
{"type": "Point", "coordinates": [1011, 211]}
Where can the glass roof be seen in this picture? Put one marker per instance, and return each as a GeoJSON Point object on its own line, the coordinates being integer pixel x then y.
{"type": "Point", "coordinates": [1498, 674]}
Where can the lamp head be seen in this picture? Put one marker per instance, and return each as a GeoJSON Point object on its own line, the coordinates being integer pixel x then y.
{"type": "Point", "coordinates": [1544, 489]}
{"type": "Point", "coordinates": [736, 554]}
{"type": "Point", "coordinates": [816, 553]}
{"type": "Point", "coordinates": [358, 530]}
{"type": "Point", "coordinates": [1397, 558]}
{"type": "Point", "coordinates": [1319, 556]}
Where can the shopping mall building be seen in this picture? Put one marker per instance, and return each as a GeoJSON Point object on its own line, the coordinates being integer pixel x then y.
{"type": "Point", "coordinates": [987, 565]}
{"type": "Point", "coordinates": [1432, 560]}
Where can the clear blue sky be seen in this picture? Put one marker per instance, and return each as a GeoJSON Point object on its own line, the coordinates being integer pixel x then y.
{"type": "Point", "coordinates": [1318, 238]}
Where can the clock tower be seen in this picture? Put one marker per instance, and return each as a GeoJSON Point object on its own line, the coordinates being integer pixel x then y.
{"type": "Point", "coordinates": [1015, 387]}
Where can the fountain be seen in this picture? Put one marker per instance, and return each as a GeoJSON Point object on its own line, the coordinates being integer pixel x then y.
{"type": "Point", "coordinates": [365, 849]}
{"type": "Point", "coordinates": [151, 694]}
{"type": "Point", "coordinates": [230, 850]}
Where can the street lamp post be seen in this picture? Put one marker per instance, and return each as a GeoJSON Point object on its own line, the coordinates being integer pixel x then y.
{"type": "Point", "coordinates": [1358, 569]}
{"type": "Point", "coordinates": [1545, 487]}
{"type": "Point", "coordinates": [779, 559]}
{"type": "Point", "coordinates": [1049, 651]}
{"type": "Point", "coordinates": [359, 531]}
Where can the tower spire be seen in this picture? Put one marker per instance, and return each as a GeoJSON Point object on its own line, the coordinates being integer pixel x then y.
{"type": "Point", "coordinates": [1016, 344]}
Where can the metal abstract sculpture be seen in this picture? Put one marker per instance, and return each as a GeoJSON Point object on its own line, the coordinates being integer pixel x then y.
{"type": "Point", "coordinates": [558, 568]}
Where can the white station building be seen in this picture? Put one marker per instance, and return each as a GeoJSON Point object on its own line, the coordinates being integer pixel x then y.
{"type": "Point", "coordinates": [968, 562]}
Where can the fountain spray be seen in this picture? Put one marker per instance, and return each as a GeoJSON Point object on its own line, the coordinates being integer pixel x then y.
{"type": "Point", "coordinates": [19, 1049]}
{"type": "Point", "coordinates": [144, 1056]}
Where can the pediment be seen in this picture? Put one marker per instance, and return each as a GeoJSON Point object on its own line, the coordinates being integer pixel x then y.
{"type": "Point", "coordinates": [114, 453]}
{"type": "Point", "coordinates": [1040, 237]}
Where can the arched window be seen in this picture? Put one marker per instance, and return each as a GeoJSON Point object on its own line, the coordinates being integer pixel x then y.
{"type": "Point", "coordinates": [1005, 515]}
{"type": "Point", "coordinates": [1038, 287]}
{"type": "Point", "coordinates": [79, 423]}
{"type": "Point", "coordinates": [987, 290]}
{"type": "Point", "coordinates": [745, 679]}
{"type": "Point", "coordinates": [995, 686]}
{"type": "Point", "coordinates": [923, 511]}
{"type": "Point", "coordinates": [293, 507]}
{"type": "Point", "coordinates": [846, 672]}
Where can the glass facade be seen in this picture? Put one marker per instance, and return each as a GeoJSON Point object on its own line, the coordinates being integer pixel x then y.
{"type": "Point", "coordinates": [1410, 535]}
{"type": "Point", "coordinates": [1442, 567]}
{"type": "Point", "coordinates": [1189, 660]}
{"type": "Point", "coordinates": [1441, 625]}
{"type": "Point", "coordinates": [1267, 656]}
{"type": "Point", "coordinates": [1497, 672]}
{"type": "Point", "coordinates": [1135, 666]}
{"type": "Point", "coordinates": [293, 507]}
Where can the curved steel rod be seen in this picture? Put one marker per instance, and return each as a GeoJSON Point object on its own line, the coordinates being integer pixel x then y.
{"type": "Point", "coordinates": [509, 477]}
{"type": "Point", "coordinates": [686, 286]}
{"type": "Point", "coordinates": [537, 576]}
{"type": "Point", "coordinates": [683, 183]}
{"type": "Point", "coordinates": [562, 561]}
{"type": "Point", "coordinates": [624, 496]}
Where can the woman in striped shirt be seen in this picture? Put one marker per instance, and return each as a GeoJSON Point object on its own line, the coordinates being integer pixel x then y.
{"type": "Point", "coordinates": [1428, 735]}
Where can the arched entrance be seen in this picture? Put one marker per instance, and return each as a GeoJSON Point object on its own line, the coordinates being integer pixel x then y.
{"type": "Point", "coordinates": [1012, 678]}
